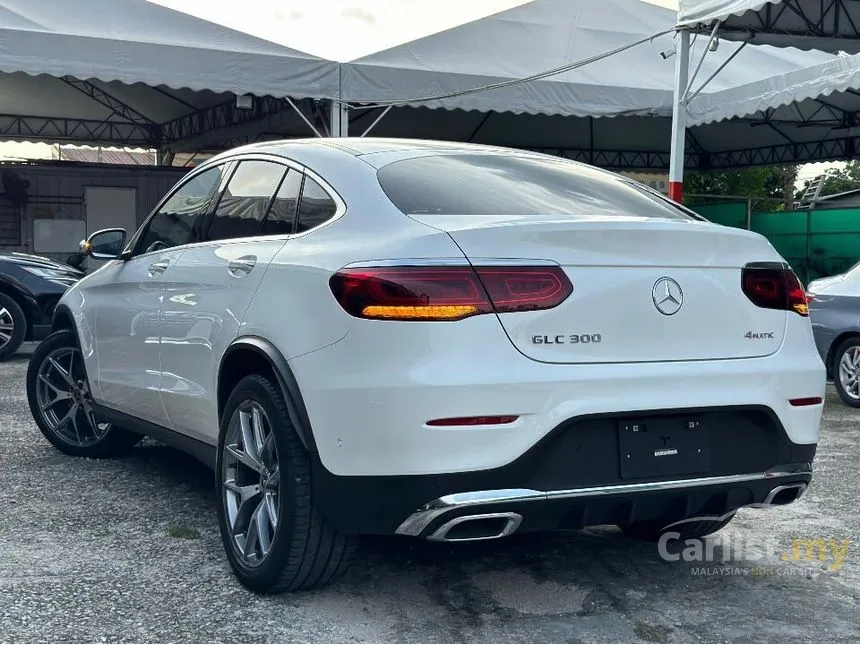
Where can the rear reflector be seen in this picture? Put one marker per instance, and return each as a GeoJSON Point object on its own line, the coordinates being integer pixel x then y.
{"type": "Point", "coordinates": [474, 421]}
{"type": "Point", "coordinates": [809, 400]}
{"type": "Point", "coordinates": [447, 293]}
{"type": "Point", "coordinates": [772, 286]}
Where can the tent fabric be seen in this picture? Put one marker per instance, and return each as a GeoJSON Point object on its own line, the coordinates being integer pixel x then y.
{"type": "Point", "coordinates": [543, 35]}
{"type": "Point", "coordinates": [134, 41]}
{"type": "Point", "coordinates": [705, 12]}
{"type": "Point", "coordinates": [809, 84]}
{"type": "Point", "coordinates": [805, 24]}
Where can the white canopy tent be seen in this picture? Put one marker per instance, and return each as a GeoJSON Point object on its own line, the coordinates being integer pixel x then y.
{"type": "Point", "coordinates": [806, 24]}
{"type": "Point", "coordinates": [543, 35]}
{"type": "Point", "coordinates": [136, 73]}
{"type": "Point", "coordinates": [830, 26]}
{"type": "Point", "coordinates": [827, 94]}
{"type": "Point", "coordinates": [105, 71]}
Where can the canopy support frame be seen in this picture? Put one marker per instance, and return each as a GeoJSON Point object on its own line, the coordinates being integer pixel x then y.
{"type": "Point", "coordinates": [679, 117]}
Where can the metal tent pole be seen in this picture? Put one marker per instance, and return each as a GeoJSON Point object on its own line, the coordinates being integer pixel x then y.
{"type": "Point", "coordinates": [679, 118]}
{"type": "Point", "coordinates": [339, 119]}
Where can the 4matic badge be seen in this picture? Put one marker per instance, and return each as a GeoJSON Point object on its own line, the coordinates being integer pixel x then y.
{"type": "Point", "coordinates": [758, 335]}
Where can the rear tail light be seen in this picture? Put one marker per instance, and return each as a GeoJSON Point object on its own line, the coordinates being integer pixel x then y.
{"type": "Point", "coordinates": [447, 293]}
{"type": "Point", "coordinates": [774, 286]}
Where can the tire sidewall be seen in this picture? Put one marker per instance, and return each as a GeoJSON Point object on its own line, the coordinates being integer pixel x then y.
{"type": "Point", "coordinates": [265, 575]}
{"type": "Point", "coordinates": [19, 320]}
{"type": "Point", "coordinates": [837, 382]}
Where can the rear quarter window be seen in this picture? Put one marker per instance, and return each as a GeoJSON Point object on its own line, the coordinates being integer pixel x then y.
{"type": "Point", "coordinates": [491, 184]}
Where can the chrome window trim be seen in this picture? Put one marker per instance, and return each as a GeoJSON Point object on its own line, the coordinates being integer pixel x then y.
{"type": "Point", "coordinates": [235, 159]}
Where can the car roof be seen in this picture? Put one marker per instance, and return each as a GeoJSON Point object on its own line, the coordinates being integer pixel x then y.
{"type": "Point", "coordinates": [357, 146]}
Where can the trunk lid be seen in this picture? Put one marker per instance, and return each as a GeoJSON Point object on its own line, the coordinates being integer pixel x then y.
{"type": "Point", "coordinates": [644, 289]}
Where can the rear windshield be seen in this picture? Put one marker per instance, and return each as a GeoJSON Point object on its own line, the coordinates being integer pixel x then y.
{"type": "Point", "coordinates": [492, 184]}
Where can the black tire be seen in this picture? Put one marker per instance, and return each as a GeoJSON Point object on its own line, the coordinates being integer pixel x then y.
{"type": "Point", "coordinates": [10, 311]}
{"type": "Point", "coordinates": [305, 552]}
{"type": "Point", "coordinates": [111, 442]}
{"type": "Point", "coordinates": [651, 530]}
{"type": "Point", "coordinates": [844, 347]}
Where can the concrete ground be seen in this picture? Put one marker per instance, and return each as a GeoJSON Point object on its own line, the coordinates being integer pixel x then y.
{"type": "Point", "coordinates": [129, 551]}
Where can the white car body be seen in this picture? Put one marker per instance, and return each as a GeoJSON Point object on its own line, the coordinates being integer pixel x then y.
{"type": "Point", "coordinates": [156, 329]}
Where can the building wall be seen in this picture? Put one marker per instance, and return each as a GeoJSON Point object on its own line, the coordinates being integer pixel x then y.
{"type": "Point", "coordinates": [56, 191]}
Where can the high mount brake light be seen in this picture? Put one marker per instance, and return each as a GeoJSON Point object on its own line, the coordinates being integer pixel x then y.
{"type": "Point", "coordinates": [447, 292]}
{"type": "Point", "coordinates": [774, 287]}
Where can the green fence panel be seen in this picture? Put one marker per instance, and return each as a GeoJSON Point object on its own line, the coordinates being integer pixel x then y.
{"type": "Point", "coordinates": [726, 213]}
{"type": "Point", "coordinates": [815, 243]}
{"type": "Point", "coordinates": [779, 223]}
{"type": "Point", "coordinates": [789, 246]}
{"type": "Point", "coordinates": [841, 220]}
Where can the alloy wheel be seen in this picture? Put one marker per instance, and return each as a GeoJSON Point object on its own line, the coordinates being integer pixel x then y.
{"type": "Point", "coordinates": [64, 398]}
{"type": "Point", "coordinates": [849, 372]}
{"type": "Point", "coordinates": [251, 483]}
{"type": "Point", "coordinates": [7, 327]}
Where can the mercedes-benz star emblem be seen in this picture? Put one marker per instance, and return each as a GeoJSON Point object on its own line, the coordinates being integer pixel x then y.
{"type": "Point", "coordinates": [667, 296]}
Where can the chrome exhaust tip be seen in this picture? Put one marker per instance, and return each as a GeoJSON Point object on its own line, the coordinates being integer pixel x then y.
{"type": "Point", "coordinates": [469, 528]}
{"type": "Point", "coordinates": [786, 494]}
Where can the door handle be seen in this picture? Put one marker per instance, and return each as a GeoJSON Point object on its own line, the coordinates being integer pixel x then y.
{"type": "Point", "coordinates": [241, 266]}
{"type": "Point", "coordinates": [157, 268]}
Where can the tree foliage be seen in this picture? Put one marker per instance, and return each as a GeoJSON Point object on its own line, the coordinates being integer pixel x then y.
{"type": "Point", "coordinates": [770, 188]}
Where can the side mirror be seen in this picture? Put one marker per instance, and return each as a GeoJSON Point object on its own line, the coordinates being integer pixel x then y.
{"type": "Point", "coordinates": [106, 244]}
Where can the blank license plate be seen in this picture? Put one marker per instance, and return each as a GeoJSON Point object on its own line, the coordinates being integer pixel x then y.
{"type": "Point", "coordinates": [659, 447]}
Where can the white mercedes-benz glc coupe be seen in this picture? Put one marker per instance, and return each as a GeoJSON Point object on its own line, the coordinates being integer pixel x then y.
{"type": "Point", "coordinates": [440, 340]}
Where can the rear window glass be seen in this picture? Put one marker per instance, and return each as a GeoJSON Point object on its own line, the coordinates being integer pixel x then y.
{"type": "Point", "coordinates": [489, 184]}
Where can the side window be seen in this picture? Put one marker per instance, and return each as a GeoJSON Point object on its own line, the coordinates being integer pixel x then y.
{"type": "Point", "coordinates": [282, 214]}
{"type": "Point", "coordinates": [243, 205]}
{"type": "Point", "coordinates": [316, 206]}
{"type": "Point", "coordinates": [180, 219]}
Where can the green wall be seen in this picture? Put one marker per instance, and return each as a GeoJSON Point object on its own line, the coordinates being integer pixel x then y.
{"type": "Point", "coordinates": [816, 243]}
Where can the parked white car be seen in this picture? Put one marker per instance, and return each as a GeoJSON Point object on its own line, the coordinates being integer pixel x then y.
{"type": "Point", "coordinates": [446, 341]}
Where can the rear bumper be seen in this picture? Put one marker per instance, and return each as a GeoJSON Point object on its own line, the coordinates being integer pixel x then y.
{"type": "Point", "coordinates": [619, 504]}
{"type": "Point", "coordinates": [369, 399]}
{"type": "Point", "coordinates": [575, 478]}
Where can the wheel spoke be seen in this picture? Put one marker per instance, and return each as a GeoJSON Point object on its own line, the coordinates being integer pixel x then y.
{"type": "Point", "coordinates": [275, 477]}
{"type": "Point", "coordinates": [249, 441]}
{"type": "Point", "coordinates": [252, 537]}
{"type": "Point", "coordinates": [4, 337]}
{"type": "Point", "coordinates": [44, 379]}
{"type": "Point", "coordinates": [245, 500]}
{"type": "Point", "coordinates": [68, 423]}
{"type": "Point", "coordinates": [267, 454]}
{"type": "Point", "coordinates": [66, 376]}
{"type": "Point", "coordinates": [272, 509]}
{"type": "Point", "coordinates": [61, 396]}
{"type": "Point", "coordinates": [264, 527]}
{"type": "Point", "coordinates": [244, 458]}
{"type": "Point", "coordinates": [257, 428]}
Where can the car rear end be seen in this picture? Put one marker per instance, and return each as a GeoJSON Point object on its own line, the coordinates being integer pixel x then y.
{"type": "Point", "coordinates": [588, 353]}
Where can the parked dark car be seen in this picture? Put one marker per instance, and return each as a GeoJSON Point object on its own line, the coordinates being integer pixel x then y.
{"type": "Point", "coordinates": [30, 287]}
{"type": "Point", "coordinates": [834, 309]}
